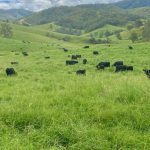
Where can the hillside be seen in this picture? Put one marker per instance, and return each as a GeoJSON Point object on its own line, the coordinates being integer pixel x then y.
{"type": "Point", "coordinates": [13, 14]}
{"type": "Point", "coordinates": [83, 17]}
{"type": "Point", "coordinates": [126, 4]}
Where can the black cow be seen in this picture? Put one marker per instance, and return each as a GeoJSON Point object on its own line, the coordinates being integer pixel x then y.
{"type": "Point", "coordinates": [86, 47]}
{"type": "Point", "coordinates": [130, 47]}
{"type": "Point", "coordinates": [147, 72]}
{"type": "Point", "coordinates": [84, 61]}
{"type": "Point", "coordinates": [100, 67]}
{"type": "Point", "coordinates": [105, 64]}
{"type": "Point", "coordinates": [76, 56]}
{"type": "Point", "coordinates": [123, 68]}
{"type": "Point", "coordinates": [25, 53]}
{"type": "Point", "coordinates": [95, 52]}
{"type": "Point", "coordinates": [10, 71]}
{"type": "Point", "coordinates": [118, 63]}
{"type": "Point", "coordinates": [65, 50]}
{"type": "Point", "coordinates": [81, 72]}
{"type": "Point", "coordinates": [71, 62]}
{"type": "Point", "coordinates": [47, 57]}
{"type": "Point", "coordinates": [129, 68]}
{"type": "Point", "coordinates": [14, 63]}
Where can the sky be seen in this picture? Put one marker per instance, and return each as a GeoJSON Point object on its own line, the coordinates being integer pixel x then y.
{"type": "Point", "coordinates": [37, 5]}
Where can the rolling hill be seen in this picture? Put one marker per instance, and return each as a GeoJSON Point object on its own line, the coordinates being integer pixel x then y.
{"type": "Point", "coordinates": [13, 14]}
{"type": "Point", "coordinates": [126, 4]}
{"type": "Point", "coordinates": [83, 17]}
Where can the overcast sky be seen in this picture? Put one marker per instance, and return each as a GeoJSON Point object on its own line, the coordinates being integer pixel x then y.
{"type": "Point", "coordinates": [36, 5]}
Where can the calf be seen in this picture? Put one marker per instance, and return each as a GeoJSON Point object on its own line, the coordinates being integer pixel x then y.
{"type": "Point", "coordinates": [81, 72]}
{"type": "Point", "coordinates": [101, 67]}
{"type": "Point", "coordinates": [25, 53]}
{"type": "Point", "coordinates": [47, 57]}
{"type": "Point", "coordinates": [118, 63]}
{"type": "Point", "coordinates": [76, 56]}
{"type": "Point", "coordinates": [147, 72]}
{"type": "Point", "coordinates": [14, 63]}
{"type": "Point", "coordinates": [103, 64]}
{"type": "Point", "coordinates": [84, 61]}
{"type": "Point", "coordinates": [71, 62]}
{"type": "Point", "coordinates": [10, 71]}
{"type": "Point", "coordinates": [123, 68]}
{"type": "Point", "coordinates": [65, 50]}
{"type": "Point", "coordinates": [95, 52]}
{"type": "Point", "coordinates": [86, 47]}
{"type": "Point", "coordinates": [130, 47]}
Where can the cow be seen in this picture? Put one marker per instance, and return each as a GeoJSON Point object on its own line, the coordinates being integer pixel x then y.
{"type": "Point", "coordinates": [86, 47]}
{"type": "Point", "coordinates": [101, 67]}
{"type": "Point", "coordinates": [129, 68]}
{"type": "Point", "coordinates": [10, 71]}
{"type": "Point", "coordinates": [71, 62]}
{"type": "Point", "coordinates": [130, 47]}
{"type": "Point", "coordinates": [95, 53]}
{"type": "Point", "coordinates": [75, 56]}
{"type": "Point", "coordinates": [47, 57]}
{"type": "Point", "coordinates": [118, 63]}
{"type": "Point", "coordinates": [14, 63]}
{"type": "Point", "coordinates": [123, 68]}
{"type": "Point", "coordinates": [147, 72]}
{"type": "Point", "coordinates": [81, 72]}
{"type": "Point", "coordinates": [104, 64]}
{"type": "Point", "coordinates": [84, 61]}
{"type": "Point", "coordinates": [25, 53]}
{"type": "Point", "coordinates": [65, 50]}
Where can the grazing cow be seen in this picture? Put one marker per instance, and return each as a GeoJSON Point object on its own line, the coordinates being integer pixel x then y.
{"type": "Point", "coordinates": [118, 63]}
{"type": "Point", "coordinates": [86, 47]}
{"type": "Point", "coordinates": [84, 61]}
{"type": "Point", "coordinates": [76, 56]}
{"type": "Point", "coordinates": [123, 68]}
{"type": "Point", "coordinates": [81, 72]}
{"type": "Point", "coordinates": [101, 67]}
{"type": "Point", "coordinates": [47, 57]}
{"type": "Point", "coordinates": [95, 52]}
{"type": "Point", "coordinates": [10, 71]}
{"type": "Point", "coordinates": [65, 50]}
{"type": "Point", "coordinates": [103, 64]}
{"type": "Point", "coordinates": [14, 63]}
{"type": "Point", "coordinates": [25, 53]}
{"type": "Point", "coordinates": [147, 72]}
{"type": "Point", "coordinates": [130, 47]}
{"type": "Point", "coordinates": [71, 62]}
{"type": "Point", "coordinates": [129, 68]}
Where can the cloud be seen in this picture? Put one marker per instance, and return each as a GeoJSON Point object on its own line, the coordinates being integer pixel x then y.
{"type": "Point", "coordinates": [36, 5]}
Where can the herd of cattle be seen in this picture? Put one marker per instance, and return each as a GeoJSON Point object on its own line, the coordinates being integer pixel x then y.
{"type": "Point", "coordinates": [119, 65]}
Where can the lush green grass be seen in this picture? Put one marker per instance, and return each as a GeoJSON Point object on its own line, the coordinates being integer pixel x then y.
{"type": "Point", "coordinates": [48, 107]}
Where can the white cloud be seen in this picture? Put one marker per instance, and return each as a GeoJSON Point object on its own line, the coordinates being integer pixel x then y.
{"type": "Point", "coordinates": [36, 5]}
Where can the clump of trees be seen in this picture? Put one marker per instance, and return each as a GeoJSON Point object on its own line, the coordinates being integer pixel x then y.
{"type": "Point", "coordinates": [133, 37]}
{"type": "Point", "coordinates": [146, 31]}
{"type": "Point", "coordinates": [6, 30]}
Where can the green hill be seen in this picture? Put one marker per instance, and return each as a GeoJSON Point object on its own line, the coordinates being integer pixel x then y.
{"type": "Point", "coordinates": [13, 14]}
{"type": "Point", "coordinates": [84, 17]}
{"type": "Point", "coordinates": [126, 4]}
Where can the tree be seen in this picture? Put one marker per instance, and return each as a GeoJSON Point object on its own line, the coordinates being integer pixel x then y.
{"type": "Point", "coordinates": [6, 30]}
{"type": "Point", "coordinates": [133, 37]}
{"type": "Point", "coordinates": [118, 35]}
{"type": "Point", "coordinates": [138, 23]}
{"type": "Point", "coordinates": [129, 27]}
{"type": "Point", "coordinates": [146, 31]}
